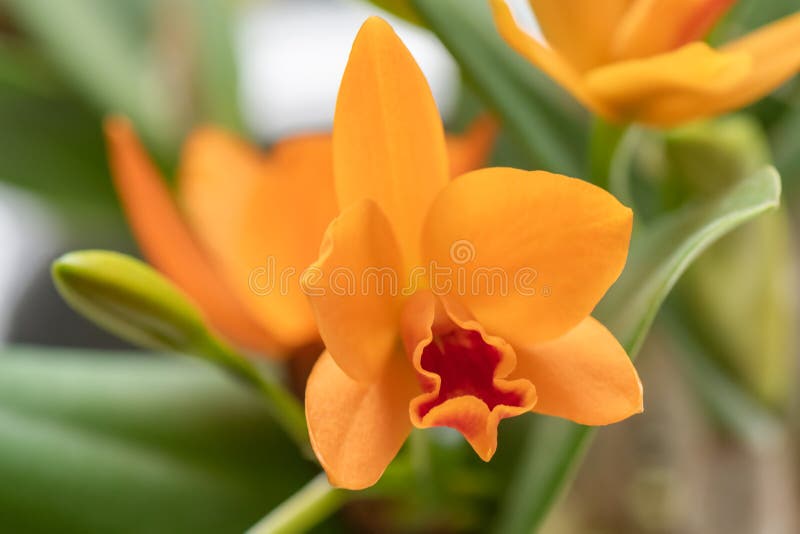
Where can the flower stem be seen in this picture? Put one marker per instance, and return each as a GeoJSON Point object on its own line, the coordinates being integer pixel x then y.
{"type": "Point", "coordinates": [605, 137]}
{"type": "Point", "coordinates": [424, 479]}
{"type": "Point", "coordinates": [286, 410]}
{"type": "Point", "coordinates": [613, 149]}
{"type": "Point", "coordinates": [283, 407]}
{"type": "Point", "coordinates": [313, 503]}
{"type": "Point", "coordinates": [420, 453]}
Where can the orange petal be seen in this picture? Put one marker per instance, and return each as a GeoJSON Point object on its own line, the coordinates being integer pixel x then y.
{"type": "Point", "coordinates": [168, 243]}
{"type": "Point", "coordinates": [580, 30]}
{"type": "Point", "coordinates": [547, 59]}
{"type": "Point", "coordinates": [776, 58]}
{"type": "Point", "coordinates": [669, 88]}
{"type": "Point", "coordinates": [653, 27]}
{"type": "Point", "coordinates": [354, 289]}
{"type": "Point", "coordinates": [528, 253]}
{"type": "Point", "coordinates": [461, 369]}
{"type": "Point", "coordinates": [584, 376]}
{"type": "Point", "coordinates": [471, 150]}
{"type": "Point", "coordinates": [262, 217]}
{"type": "Point", "coordinates": [388, 140]}
{"type": "Point", "coordinates": [355, 428]}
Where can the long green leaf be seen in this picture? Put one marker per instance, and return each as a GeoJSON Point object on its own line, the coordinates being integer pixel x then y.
{"type": "Point", "coordinates": [786, 146]}
{"type": "Point", "coordinates": [658, 257]}
{"type": "Point", "coordinates": [661, 253]}
{"type": "Point", "coordinates": [748, 15]}
{"type": "Point", "coordinates": [52, 145]}
{"type": "Point", "coordinates": [91, 49]}
{"type": "Point", "coordinates": [21, 68]}
{"type": "Point", "coordinates": [545, 122]}
{"type": "Point", "coordinates": [96, 442]}
{"type": "Point", "coordinates": [218, 85]}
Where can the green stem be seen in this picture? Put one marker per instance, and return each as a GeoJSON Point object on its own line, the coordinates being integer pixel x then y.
{"type": "Point", "coordinates": [602, 146]}
{"type": "Point", "coordinates": [308, 507]}
{"type": "Point", "coordinates": [425, 482]}
{"type": "Point", "coordinates": [284, 407]}
{"type": "Point", "coordinates": [286, 410]}
{"type": "Point", "coordinates": [420, 453]}
{"type": "Point", "coordinates": [621, 165]}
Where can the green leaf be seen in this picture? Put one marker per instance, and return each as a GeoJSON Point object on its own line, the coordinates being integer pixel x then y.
{"type": "Point", "coordinates": [52, 146]}
{"type": "Point", "coordinates": [662, 252]}
{"type": "Point", "coordinates": [546, 123]}
{"type": "Point", "coordinates": [218, 87]}
{"type": "Point", "coordinates": [748, 15]}
{"type": "Point", "coordinates": [130, 299]}
{"type": "Point", "coordinates": [93, 49]}
{"type": "Point", "coordinates": [785, 136]}
{"type": "Point", "coordinates": [659, 255]}
{"type": "Point", "coordinates": [23, 69]}
{"type": "Point", "coordinates": [96, 442]}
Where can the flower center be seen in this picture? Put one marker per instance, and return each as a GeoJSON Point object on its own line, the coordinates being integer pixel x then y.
{"type": "Point", "coordinates": [466, 365]}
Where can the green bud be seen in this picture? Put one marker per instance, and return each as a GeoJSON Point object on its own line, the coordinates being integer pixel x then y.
{"type": "Point", "coordinates": [128, 298]}
{"type": "Point", "coordinates": [705, 158]}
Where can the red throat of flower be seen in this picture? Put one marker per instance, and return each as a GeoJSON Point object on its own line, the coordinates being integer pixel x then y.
{"type": "Point", "coordinates": [702, 20]}
{"type": "Point", "coordinates": [461, 373]}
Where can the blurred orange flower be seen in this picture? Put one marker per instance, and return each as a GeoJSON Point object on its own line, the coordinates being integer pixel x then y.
{"type": "Point", "coordinates": [237, 210]}
{"type": "Point", "coordinates": [423, 352]}
{"type": "Point", "coordinates": [644, 60]}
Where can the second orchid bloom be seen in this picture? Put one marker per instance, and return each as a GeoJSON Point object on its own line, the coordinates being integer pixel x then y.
{"type": "Point", "coordinates": [451, 302]}
{"type": "Point", "coordinates": [645, 60]}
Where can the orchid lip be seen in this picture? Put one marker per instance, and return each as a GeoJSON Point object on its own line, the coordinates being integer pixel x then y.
{"type": "Point", "coordinates": [458, 371]}
{"type": "Point", "coordinates": [466, 365]}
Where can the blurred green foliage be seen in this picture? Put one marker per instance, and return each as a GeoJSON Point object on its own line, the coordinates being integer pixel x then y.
{"type": "Point", "coordinates": [96, 442]}
{"type": "Point", "coordinates": [98, 50]}
{"type": "Point", "coordinates": [52, 146]}
{"type": "Point", "coordinates": [739, 298]}
{"type": "Point", "coordinates": [65, 65]}
{"type": "Point", "coordinates": [659, 255]}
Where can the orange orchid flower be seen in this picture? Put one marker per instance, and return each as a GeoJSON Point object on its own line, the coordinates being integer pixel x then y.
{"type": "Point", "coordinates": [424, 352]}
{"type": "Point", "coordinates": [242, 220]}
{"type": "Point", "coordinates": [645, 61]}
